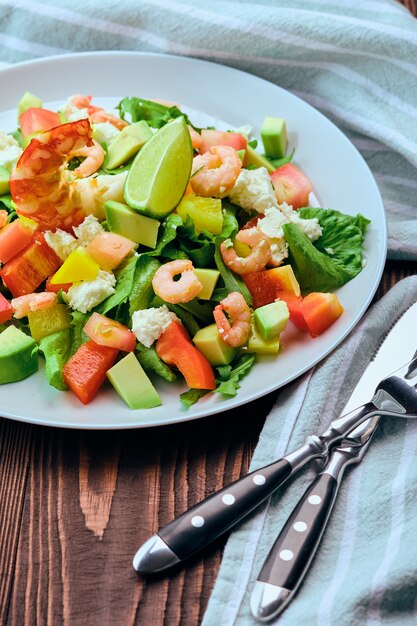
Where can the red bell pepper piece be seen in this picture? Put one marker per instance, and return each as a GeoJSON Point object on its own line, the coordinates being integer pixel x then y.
{"type": "Point", "coordinates": [30, 267]}
{"type": "Point", "coordinates": [86, 370]}
{"type": "Point", "coordinates": [174, 347]}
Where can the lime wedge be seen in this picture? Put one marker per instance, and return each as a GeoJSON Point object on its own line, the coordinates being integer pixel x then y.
{"type": "Point", "coordinates": [160, 173]}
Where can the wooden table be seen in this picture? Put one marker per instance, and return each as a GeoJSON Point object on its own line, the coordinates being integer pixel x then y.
{"type": "Point", "coordinates": [74, 507]}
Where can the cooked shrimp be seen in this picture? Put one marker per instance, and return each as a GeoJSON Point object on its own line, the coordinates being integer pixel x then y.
{"type": "Point", "coordinates": [94, 158]}
{"type": "Point", "coordinates": [41, 185]}
{"type": "Point", "coordinates": [23, 305]}
{"type": "Point", "coordinates": [214, 173]}
{"type": "Point", "coordinates": [237, 334]}
{"type": "Point", "coordinates": [182, 290]}
{"type": "Point", "coordinates": [257, 259]}
{"type": "Point", "coordinates": [96, 114]}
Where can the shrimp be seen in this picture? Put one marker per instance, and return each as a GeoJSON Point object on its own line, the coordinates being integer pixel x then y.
{"type": "Point", "coordinates": [196, 139]}
{"type": "Point", "coordinates": [41, 185]}
{"type": "Point", "coordinates": [214, 173]}
{"type": "Point", "coordinates": [239, 313]}
{"type": "Point", "coordinates": [182, 290]}
{"type": "Point", "coordinates": [96, 114]}
{"type": "Point", "coordinates": [257, 259]}
{"type": "Point", "coordinates": [23, 305]}
{"type": "Point", "coordinates": [94, 158]}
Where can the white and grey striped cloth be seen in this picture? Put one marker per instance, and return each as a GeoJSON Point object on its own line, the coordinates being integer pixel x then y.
{"type": "Point", "coordinates": [355, 60]}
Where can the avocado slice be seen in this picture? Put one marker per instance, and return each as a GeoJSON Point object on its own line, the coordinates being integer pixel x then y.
{"type": "Point", "coordinates": [274, 137]}
{"type": "Point", "coordinates": [208, 340]}
{"type": "Point", "coordinates": [208, 278]}
{"type": "Point", "coordinates": [18, 355]}
{"type": "Point", "coordinates": [4, 180]}
{"type": "Point", "coordinates": [129, 141]}
{"type": "Point", "coordinates": [28, 101]}
{"type": "Point", "coordinates": [132, 384]}
{"type": "Point", "coordinates": [271, 319]}
{"type": "Point", "coordinates": [123, 220]}
{"type": "Point", "coordinates": [261, 346]}
{"type": "Point", "coordinates": [258, 160]}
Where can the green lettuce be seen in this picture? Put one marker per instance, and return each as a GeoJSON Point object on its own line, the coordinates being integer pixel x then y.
{"type": "Point", "coordinates": [56, 349]}
{"type": "Point", "coordinates": [142, 293]}
{"type": "Point", "coordinates": [156, 114]}
{"type": "Point", "coordinates": [150, 361]}
{"type": "Point", "coordinates": [335, 258]}
{"type": "Point", "coordinates": [232, 282]}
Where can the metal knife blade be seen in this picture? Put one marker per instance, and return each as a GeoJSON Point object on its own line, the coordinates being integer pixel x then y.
{"type": "Point", "coordinates": [209, 519]}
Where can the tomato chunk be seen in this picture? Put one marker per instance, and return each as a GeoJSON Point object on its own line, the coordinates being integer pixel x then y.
{"type": "Point", "coordinates": [36, 120]}
{"type": "Point", "coordinates": [58, 287]}
{"type": "Point", "coordinates": [108, 332]}
{"type": "Point", "coordinates": [320, 310]}
{"type": "Point", "coordinates": [291, 186]}
{"type": "Point", "coordinates": [210, 138]}
{"type": "Point", "coordinates": [6, 310]}
{"type": "Point", "coordinates": [13, 238]}
{"type": "Point", "coordinates": [174, 347]}
{"type": "Point", "coordinates": [86, 370]}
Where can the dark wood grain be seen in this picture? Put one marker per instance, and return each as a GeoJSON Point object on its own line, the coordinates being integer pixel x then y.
{"type": "Point", "coordinates": [74, 507]}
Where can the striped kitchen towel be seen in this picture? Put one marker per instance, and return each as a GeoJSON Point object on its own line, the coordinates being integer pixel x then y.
{"type": "Point", "coordinates": [354, 60]}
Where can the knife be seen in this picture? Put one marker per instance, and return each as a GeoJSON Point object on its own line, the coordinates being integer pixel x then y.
{"type": "Point", "coordinates": [209, 519]}
{"type": "Point", "coordinates": [289, 558]}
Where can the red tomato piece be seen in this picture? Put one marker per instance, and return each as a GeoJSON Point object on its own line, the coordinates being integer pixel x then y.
{"type": "Point", "coordinates": [291, 186]}
{"type": "Point", "coordinates": [108, 332]}
{"type": "Point", "coordinates": [6, 310]}
{"type": "Point", "coordinates": [174, 347]}
{"type": "Point", "coordinates": [86, 370]}
{"type": "Point", "coordinates": [36, 120]}
{"type": "Point", "coordinates": [109, 249]}
{"type": "Point", "coordinates": [320, 310]}
{"type": "Point", "coordinates": [210, 138]}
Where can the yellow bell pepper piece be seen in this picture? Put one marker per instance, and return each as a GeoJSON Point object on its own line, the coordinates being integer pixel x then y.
{"type": "Point", "coordinates": [206, 213]}
{"type": "Point", "coordinates": [77, 267]}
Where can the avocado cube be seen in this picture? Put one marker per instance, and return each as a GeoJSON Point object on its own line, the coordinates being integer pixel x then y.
{"type": "Point", "coordinates": [274, 137]}
{"type": "Point", "coordinates": [132, 384]}
{"type": "Point", "coordinates": [261, 346]}
{"type": "Point", "coordinates": [4, 180]}
{"type": "Point", "coordinates": [28, 101]}
{"type": "Point", "coordinates": [208, 278]}
{"type": "Point", "coordinates": [127, 143]}
{"type": "Point", "coordinates": [256, 160]}
{"type": "Point", "coordinates": [271, 319]}
{"type": "Point", "coordinates": [123, 220]}
{"type": "Point", "coordinates": [18, 355]}
{"type": "Point", "coordinates": [208, 340]}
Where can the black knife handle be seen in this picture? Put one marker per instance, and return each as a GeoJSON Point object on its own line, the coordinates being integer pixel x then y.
{"type": "Point", "coordinates": [209, 519]}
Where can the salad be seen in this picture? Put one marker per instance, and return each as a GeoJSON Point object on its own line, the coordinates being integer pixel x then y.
{"type": "Point", "coordinates": [134, 245]}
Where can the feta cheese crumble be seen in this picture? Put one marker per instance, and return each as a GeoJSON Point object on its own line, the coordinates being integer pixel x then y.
{"type": "Point", "coordinates": [271, 225]}
{"type": "Point", "coordinates": [86, 295]}
{"type": "Point", "coordinates": [149, 324]}
{"type": "Point", "coordinates": [10, 151]}
{"type": "Point", "coordinates": [253, 191]}
{"type": "Point", "coordinates": [61, 242]}
{"type": "Point", "coordinates": [87, 230]}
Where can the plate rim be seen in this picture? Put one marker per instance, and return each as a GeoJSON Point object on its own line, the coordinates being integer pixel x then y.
{"type": "Point", "coordinates": [238, 400]}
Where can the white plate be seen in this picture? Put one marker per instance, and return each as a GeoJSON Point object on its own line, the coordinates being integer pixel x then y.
{"type": "Point", "coordinates": [341, 178]}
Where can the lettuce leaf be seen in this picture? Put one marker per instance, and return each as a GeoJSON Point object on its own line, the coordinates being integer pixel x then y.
{"type": "Point", "coordinates": [335, 258]}
{"type": "Point", "coordinates": [142, 294]}
{"type": "Point", "coordinates": [124, 275]}
{"type": "Point", "coordinates": [78, 336]}
{"type": "Point", "coordinates": [150, 361]}
{"type": "Point", "coordinates": [56, 349]}
{"type": "Point", "coordinates": [156, 114]}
